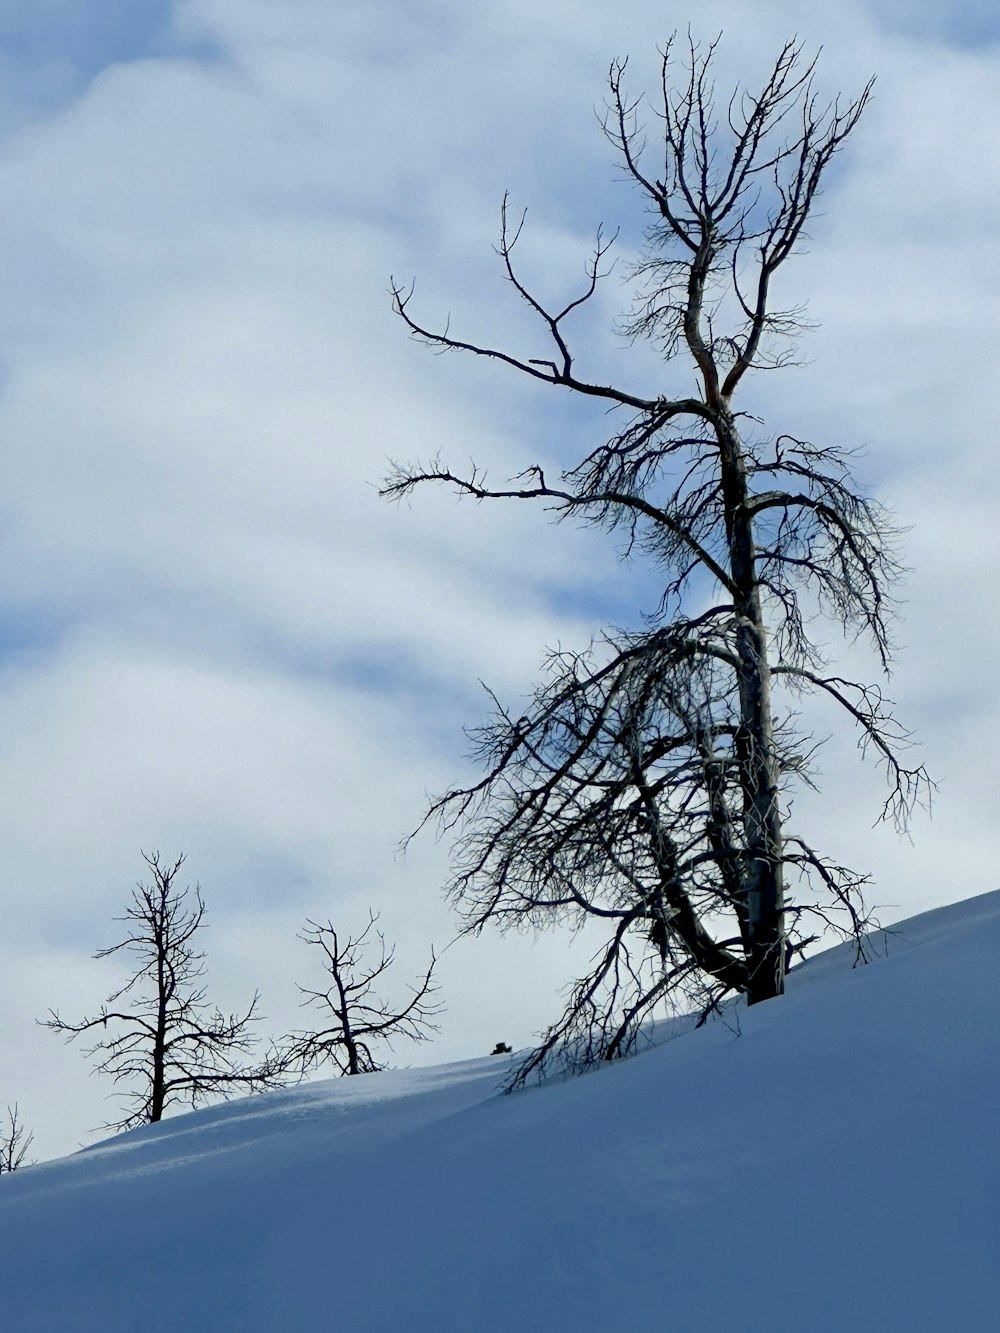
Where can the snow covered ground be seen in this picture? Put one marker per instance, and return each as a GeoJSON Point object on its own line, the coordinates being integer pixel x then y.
{"type": "Point", "coordinates": [828, 1162]}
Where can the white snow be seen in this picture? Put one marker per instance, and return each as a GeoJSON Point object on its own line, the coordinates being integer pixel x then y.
{"type": "Point", "coordinates": [830, 1161]}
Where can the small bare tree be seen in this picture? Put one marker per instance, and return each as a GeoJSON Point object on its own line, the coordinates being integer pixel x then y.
{"type": "Point", "coordinates": [645, 784]}
{"type": "Point", "coordinates": [357, 1016]}
{"type": "Point", "coordinates": [169, 1044]}
{"type": "Point", "coordinates": [14, 1142]}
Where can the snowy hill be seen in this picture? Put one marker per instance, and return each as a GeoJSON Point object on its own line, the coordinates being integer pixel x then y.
{"type": "Point", "coordinates": [830, 1162]}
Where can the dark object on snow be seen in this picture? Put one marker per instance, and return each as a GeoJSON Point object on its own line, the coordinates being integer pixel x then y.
{"type": "Point", "coordinates": [501, 1048]}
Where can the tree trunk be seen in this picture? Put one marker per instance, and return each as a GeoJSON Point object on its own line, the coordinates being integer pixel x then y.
{"type": "Point", "coordinates": [763, 878]}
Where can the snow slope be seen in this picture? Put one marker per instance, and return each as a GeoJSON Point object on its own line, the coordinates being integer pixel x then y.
{"type": "Point", "coordinates": [832, 1165]}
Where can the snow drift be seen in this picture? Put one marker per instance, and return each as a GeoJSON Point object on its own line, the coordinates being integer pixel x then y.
{"type": "Point", "coordinates": [829, 1161]}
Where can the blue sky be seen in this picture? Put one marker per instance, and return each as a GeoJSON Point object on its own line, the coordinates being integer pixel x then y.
{"type": "Point", "coordinates": [969, 25]}
{"type": "Point", "coordinates": [52, 49]}
{"type": "Point", "coordinates": [214, 638]}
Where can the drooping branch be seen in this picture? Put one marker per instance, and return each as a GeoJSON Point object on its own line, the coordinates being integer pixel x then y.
{"type": "Point", "coordinates": [871, 711]}
{"type": "Point", "coordinates": [403, 480]}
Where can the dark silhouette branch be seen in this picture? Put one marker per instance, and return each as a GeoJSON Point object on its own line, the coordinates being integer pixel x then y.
{"type": "Point", "coordinates": [356, 1013]}
{"type": "Point", "coordinates": [15, 1140]}
{"type": "Point", "coordinates": [169, 1045]}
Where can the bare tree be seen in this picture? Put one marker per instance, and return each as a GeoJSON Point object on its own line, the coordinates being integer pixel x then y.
{"type": "Point", "coordinates": [14, 1142]}
{"type": "Point", "coordinates": [645, 785]}
{"type": "Point", "coordinates": [356, 1014]}
{"type": "Point", "coordinates": [169, 1044]}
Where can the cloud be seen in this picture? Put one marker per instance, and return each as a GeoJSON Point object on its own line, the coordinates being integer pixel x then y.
{"type": "Point", "coordinates": [52, 49]}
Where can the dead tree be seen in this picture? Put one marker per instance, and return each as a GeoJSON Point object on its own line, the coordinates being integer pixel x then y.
{"type": "Point", "coordinates": [357, 1016]}
{"type": "Point", "coordinates": [645, 784]}
{"type": "Point", "coordinates": [14, 1142]}
{"type": "Point", "coordinates": [169, 1045]}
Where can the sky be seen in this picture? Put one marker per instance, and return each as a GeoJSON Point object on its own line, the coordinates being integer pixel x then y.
{"type": "Point", "coordinates": [215, 639]}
